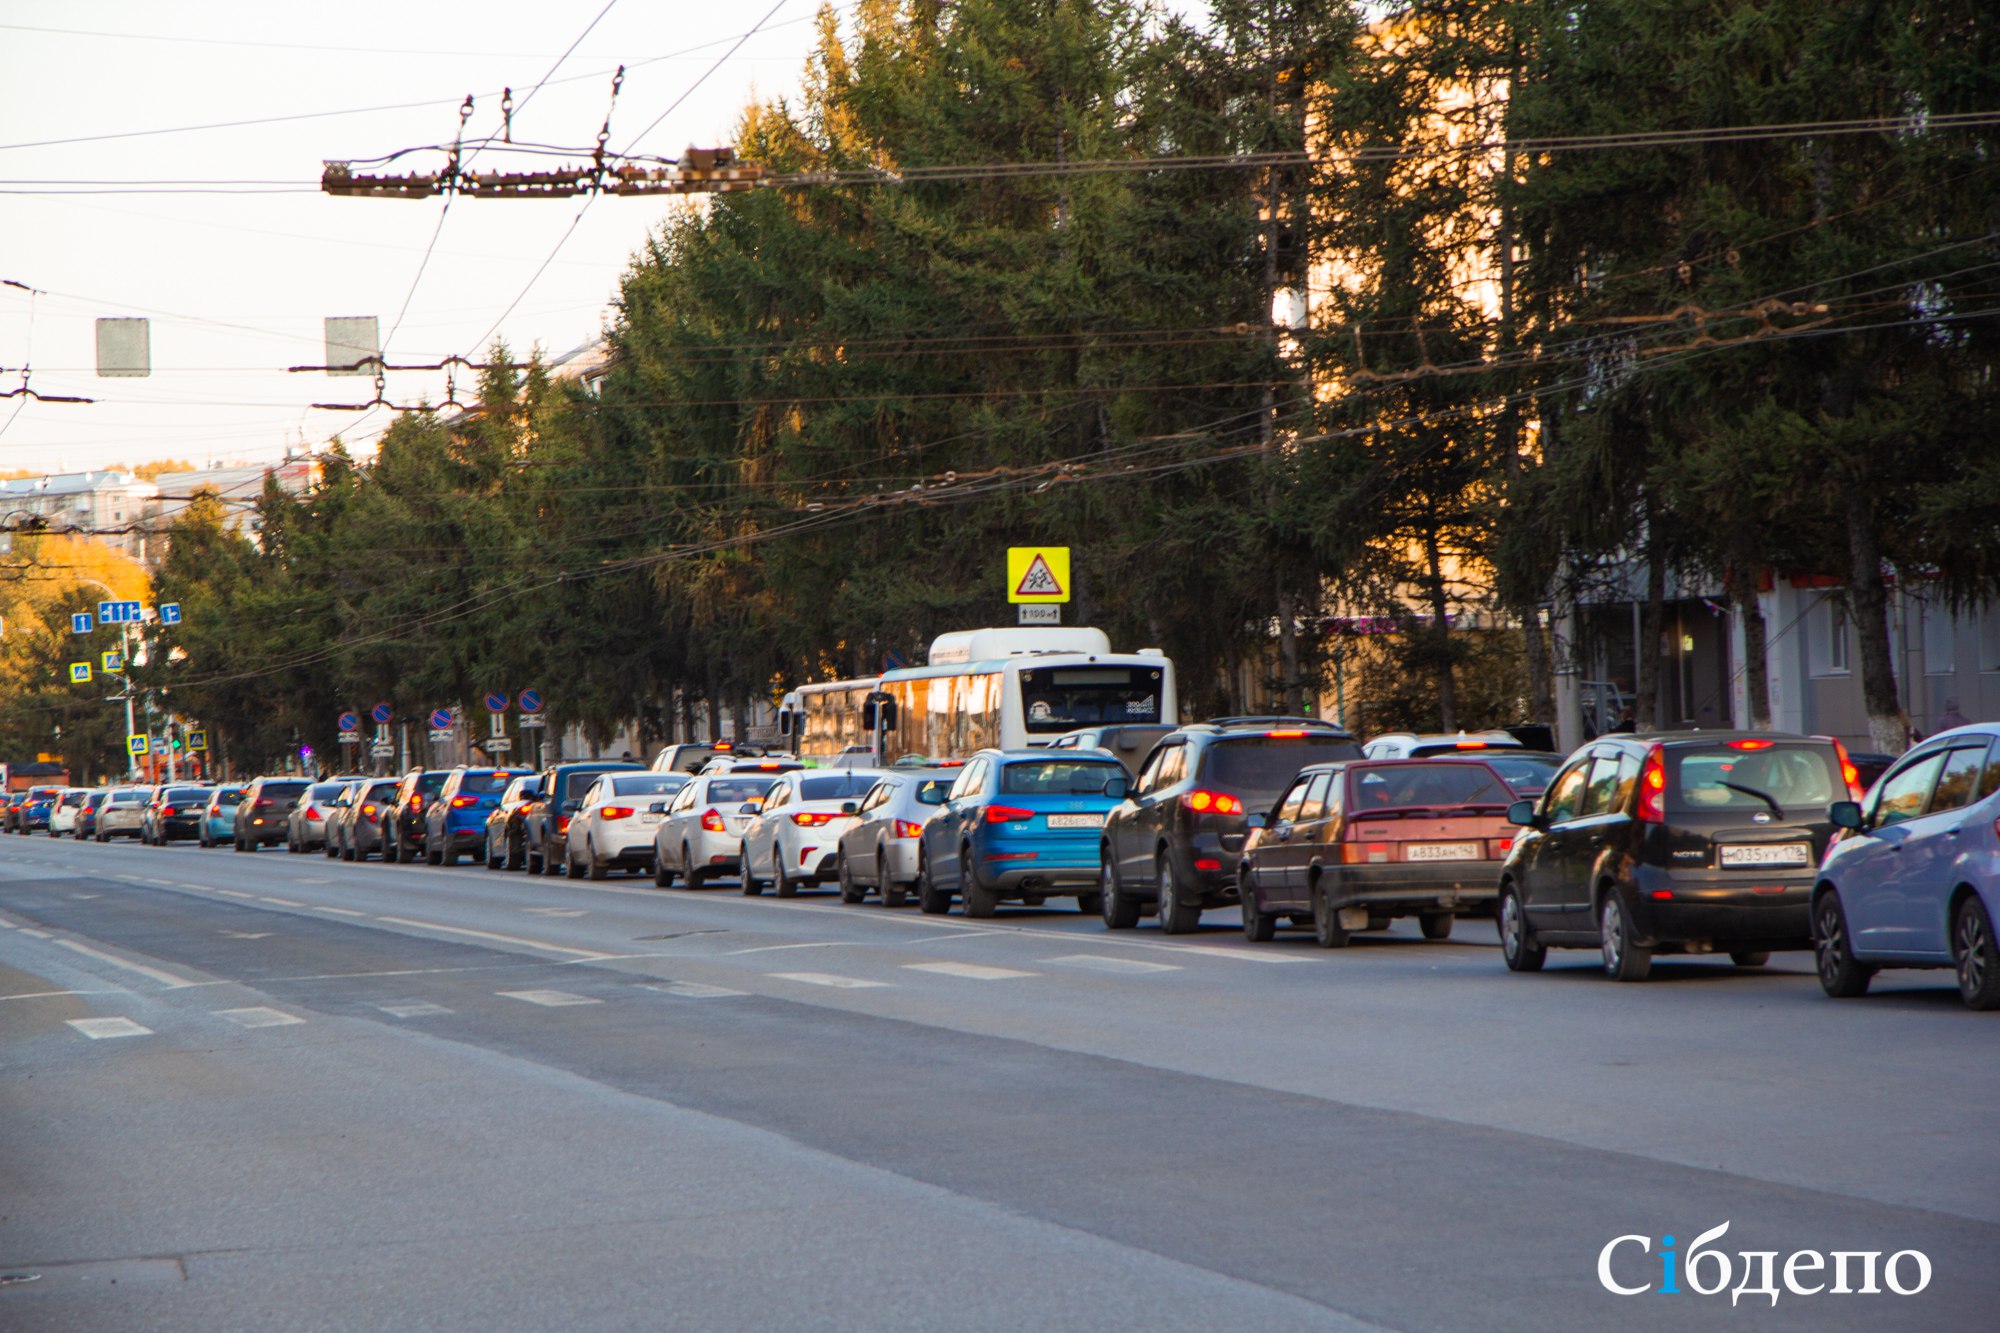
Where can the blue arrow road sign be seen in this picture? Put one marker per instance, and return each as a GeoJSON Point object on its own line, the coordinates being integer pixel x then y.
{"type": "Point", "coordinates": [81, 623]}
{"type": "Point", "coordinates": [170, 614]}
{"type": "Point", "coordinates": [440, 719]}
{"type": "Point", "coordinates": [381, 712]}
{"type": "Point", "coordinates": [107, 612]}
{"type": "Point", "coordinates": [349, 722]}
{"type": "Point", "coordinates": [531, 701]}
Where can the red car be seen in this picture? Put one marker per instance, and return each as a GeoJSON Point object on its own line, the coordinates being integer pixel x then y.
{"type": "Point", "coordinates": [1351, 846]}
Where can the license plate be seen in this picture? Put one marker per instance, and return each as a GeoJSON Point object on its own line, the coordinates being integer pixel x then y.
{"type": "Point", "coordinates": [1765, 854]}
{"type": "Point", "coordinates": [1443, 851]}
{"type": "Point", "coordinates": [1076, 821]}
{"type": "Point", "coordinates": [651, 818]}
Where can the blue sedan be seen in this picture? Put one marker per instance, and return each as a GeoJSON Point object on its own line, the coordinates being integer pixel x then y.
{"type": "Point", "coordinates": [1914, 879]}
{"type": "Point", "coordinates": [1019, 826]}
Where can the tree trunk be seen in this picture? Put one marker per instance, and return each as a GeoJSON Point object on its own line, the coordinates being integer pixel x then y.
{"type": "Point", "coordinates": [1756, 668]}
{"type": "Point", "coordinates": [1646, 667]}
{"type": "Point", "coordinates": [1293, 702]}
{"type": "Point", "coordinates": [1868, 607]}
{"type": "Point", "coordinates": [1440, 634]}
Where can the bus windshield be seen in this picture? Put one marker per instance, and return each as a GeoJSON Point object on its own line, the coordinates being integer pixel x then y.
{"type": "Point", "coordinates": [1058, 699]}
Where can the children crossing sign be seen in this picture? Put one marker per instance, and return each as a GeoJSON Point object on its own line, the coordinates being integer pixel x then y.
{"type": "Point", "coordinates": [1038, 574]}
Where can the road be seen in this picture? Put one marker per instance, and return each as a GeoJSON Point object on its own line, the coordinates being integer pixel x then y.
{"type": "Point", "coordinates": [282, 1092]}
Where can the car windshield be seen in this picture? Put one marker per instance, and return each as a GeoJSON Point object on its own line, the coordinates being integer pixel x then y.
{"type": "Point", "coordinates": [836, 786]}
{"type": "Point", "coordinates": [1256, 768]}
{"type": "Point", "coordinates": [724, 790]}
{"type": "Point", "coordinates": [1057, 777]}
{"type": "Point", "coordinates": [1528, 775]}
{"type": "Point", "coordinates": [1724, 778]}
{"type": "Point", "coordinates": [649, 784]}
{"type": "Point", "coordinates": [1432, 785]}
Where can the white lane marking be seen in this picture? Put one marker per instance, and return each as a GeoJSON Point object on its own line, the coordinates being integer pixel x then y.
{"type": "Point", "coordinates": [490, 935]}
{"type": "Point", "coordinates": [38, 934]}
{"type": "Point", "coordinates": [552, 999]}
{"type": "Point", "coordinates": [774, 948]}
{"type": "Point", "coordinates": [282, 902]}
{"type": "Point", "coordinates": [85, 897]}
{"type": "Point", "coordinates": [693, 990]}
{"type": "Point", "coordinates": [1099, 963]}
{"type": "Point", "coordinates": [970, 971]}
{"type": "Point", "coordinates": [97, 1029]}
{"type": "Point", "coordinates": [236, 893]}
{"type": "Point", "coordinates": [1244, 955]}
{"type": "Point", "coordinates": [827, 979]}
{"type": "Point", "coordinates": [164, 978]}
{"type": "Point", "coordinates": [258, 1016]}
{"type": "Point", "coordinates": [164, 883]}
{"type": "Point", "coordinates": [132, 879]}
{"type": "Point", "coordinates": [555, 911]}
{"type": "Point", "coordinates": [49, 994]}
{"type": "Point", "coordinates": [413, 1010]}
{"type": "Point", "coordinates": [249, 934]}
{"type": "Point", "coordinates": [339, 911]}
{"type": "Point", "coordinates": [198, 888]}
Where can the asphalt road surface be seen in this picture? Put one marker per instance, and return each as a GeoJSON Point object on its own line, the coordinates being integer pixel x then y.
{"type": "Point", "coordinates": [282, 1092]}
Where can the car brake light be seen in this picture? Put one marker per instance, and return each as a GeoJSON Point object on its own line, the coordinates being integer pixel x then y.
{"type": "Point", "coordinates": [369, 810]}
{"type": "Point", "coordinates": [1506, 846]}
{"type": "Point", "coordinates": [1285, 735]}
{"type": "Point", "coordinates": [1849, 773]}
{"type": "Point", "coordinates": [1653, 788]}
{"type": "Point", "coordinates": [1751, 745]}
{"type": "Point", "coordinates": [711, 822]}
{"type": "Point", "coordinates": [460, 802]}
{"type": "Point", "coordinates": [167, 812]}
{"type": "Point", "coordinates": [1663, 894]}
{"type": "Point", "coordinates": [905, 829]}
{"type": "Point", "coordinates": [1207, 863]}
{"type": "Point", "coordinates": [1006, 814]}
{"type": "Point", "coordinates": [1353, 853]}
{"type": "Point", "coordinates": [1213, 802]}
{"type": "Point", "coordinates": [618, 811]}
{"type": "Point", "coordinates": [417, 802]}
{"type": "Point", "coordinates": [312, 812]}
{"type": "Point", "coordinates": [562, 823]}
{"type": "Point", "coordinates": [1469, 745]}
{"type": "Point", "coordinates": [812, 818]}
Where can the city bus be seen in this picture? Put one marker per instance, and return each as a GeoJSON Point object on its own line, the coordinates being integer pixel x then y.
{"type": "Point", "coordinates": [1009, 688]}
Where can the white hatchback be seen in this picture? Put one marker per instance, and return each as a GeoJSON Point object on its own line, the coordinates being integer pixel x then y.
{"type": "Point", "coordinates": [614, 830]}
{"type": "Point", "coordinates": [792, 840]}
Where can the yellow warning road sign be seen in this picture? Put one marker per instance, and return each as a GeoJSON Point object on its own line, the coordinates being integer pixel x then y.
{"type": "Point", "coordinates": [1038, 573]}
{"type": "Point", "coordinates": [79, 673]}
{"type": "Point", "coordinates": [137, 745]}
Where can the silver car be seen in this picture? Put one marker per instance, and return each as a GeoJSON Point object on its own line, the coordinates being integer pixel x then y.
{"type": "Point", "coordinates": [879, 850]}
{"type": "Point", "coordinates": [122, 813]}
{"type": "Point", "coordinates": [704, 827]}
{"type": "Point", "coordinates": [305, 825]}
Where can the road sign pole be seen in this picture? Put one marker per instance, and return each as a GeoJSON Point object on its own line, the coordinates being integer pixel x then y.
{"type": "Point", "coordinates": [125, 646]}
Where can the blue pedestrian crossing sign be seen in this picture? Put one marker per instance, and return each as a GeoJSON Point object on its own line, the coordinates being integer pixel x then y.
{"type": "Point", "coordinates": [170, 613]}
{"type": "Point", "coordinates": [79, 673]}
{"type": "Point", "coordinates": [81, 623]}
{"type": "Point", "coordinates": [111, 661]}
{"type": "Point", "coordinates": [197, 740]}
{"type": "Point", "coordinates": [137, 745]}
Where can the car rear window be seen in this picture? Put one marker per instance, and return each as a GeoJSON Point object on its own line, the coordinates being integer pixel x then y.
{"type": "Point", "coordinates": [1058, 777]}
{"type": "Point", "coordinates": [1721, 778]}
{"type": "Point", "coordinates": [649, 784]}
{"type": "Point", "coordinates": [229, 796]}
{"type": "Point", "coordinates": [128, 798]}
{"type": "Point", "coordinates": [577, 784]}
{"type": "Point", "coordinates": [281, 791]}
{"type": "Point", "coordinates": [1430, 749]}
{"type": "Point", "coordinates": [1433, 786]}
{"type": "Point", "coordinates": [1257, 768]}
{"type": "Point", "coordinates": [722, 790]}
{"type": "Point", "coordinates": [178, 795]}
{"type": "Point", "coordinates": [836, 786]}
{"type": "Point", "coordinates": [479, 783]}
{"type": "Point", "coordinates": [326, 791]}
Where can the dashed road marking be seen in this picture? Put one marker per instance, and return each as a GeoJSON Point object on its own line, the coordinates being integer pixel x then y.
{"type": "Point", "coordinates": [1092, 962]}
{"type": "Point", "coordinates": [340, 911]}
{"type": "Point", "coordinates": [312, 881]}
{"type": "Point", "coordinates": [828, 979]}
{"type": "Point", "coordinates": [413, 1010]}
{"type": "Point", "coordinates": [553, 999]}
{"type": "Point", "coordinates": [970, 971]}
{"type": "Point", "coordinates": [164, 978]}
{"type": "Point", "coordinates": [85, 897]}
{"type": "Point", "coordinates": [282, 902]}
{"type": "Point", "coordinates": [236, 893]}
{"type": "Point", "coordinates": [491, 935]}
{"type": "Point", "coordinates": [51, 994]}
{"type": "Point", "coordinates": [97, 1029]}
{"type": "Point", "coordinates": [1245, 955]}
{"type": "Point", "coordinates": [249, 934]}
{"type": "Point", "coordinates": [37, 934]}
{"type": "Point", "coordinates": [694, 990]}
{"type": "Point", "coordinates": [258, 1016]}
{"type": "Point", "coordinates": [555, 911]}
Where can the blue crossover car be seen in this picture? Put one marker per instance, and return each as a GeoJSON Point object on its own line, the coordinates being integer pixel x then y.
{"type": "Point", "coordinates": [1914, 879]}
{"type": "Point", "coordinates": [1019, 825]}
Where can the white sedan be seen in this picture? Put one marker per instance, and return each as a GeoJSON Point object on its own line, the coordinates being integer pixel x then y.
{"type": "Point", "coordinates": [704, 826]}
{"type": "Point", "coordinates": [792, 838]}
{"type": "Point", "coordinates": [614, 830]}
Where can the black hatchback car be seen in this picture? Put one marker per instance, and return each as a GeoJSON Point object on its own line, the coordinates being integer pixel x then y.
{"type": "Point", "coordinates": [1173, 843]}
{"type": "Point", "coordinates": [1681, 842]}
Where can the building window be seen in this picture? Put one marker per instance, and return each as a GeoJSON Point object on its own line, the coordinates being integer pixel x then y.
{"type": "Point", "coordinates": [1826, 638]}
{"type": "Point", "coordinates": [1940, 640]}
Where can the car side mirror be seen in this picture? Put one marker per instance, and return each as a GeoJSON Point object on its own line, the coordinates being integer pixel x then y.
{"type": "Point", "coordinates": [750, 808]}
{"type": "Point", "coordinates": [657, 808]}
{"type": "Point", "coordinates": [1846, 814]}
{"type": "Point", "coordinates": [1117, 788]}
{"type": "Point", "coordinates": [849, 807]}
{"type": "Point", "coordinates": [571, 807]}
{"type": "Point", "coordinates": [1523, 814]}
{"type": "Point", "coordinates": [1254, 821]}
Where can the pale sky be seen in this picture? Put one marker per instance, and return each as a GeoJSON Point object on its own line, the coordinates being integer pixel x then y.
{"type": "Point", "coordinates": [236, 285]}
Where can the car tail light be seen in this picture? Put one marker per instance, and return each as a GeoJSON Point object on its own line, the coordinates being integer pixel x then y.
{"type": "Point", "coordinates": [1748, 744]}
{"type": "Point", "coordinates": [1506, 845]}
{"type": "Point", "coordinates": [369, 810]}
{"type": "Point", "coordinates": [1848, 772]}
{"type": "Point", "coordinates": [1207, 863]}
{"type": "Point", "coordinates": [1213, 802]}
{"type": "Point", "coordinates": [312, 812]}
{"type": "Point", "coordinates": [712, 822]}
{"type": "Point", "coordinates": [416, 802]}
{"type": "Point", "coordinates": [805, 854]}
{"type": "Point", "coordinates": [167, 812]}
{"type": "Point", "coordinates": [1286, 735]}
{"type": "Point", "coordinates": [1653, 788]}
{"type": "Point", "coordinates": [1468, 745]}
{"type": "Point", "coordinates": [460, 802]}
{"type": "Point", "coordinates": [1663, 894]}
{"type": "Point", "coordinates": [903, 828]}
{"type": "Point", "coordinates": [262, 803]}
{"type": "Point", "coordinates": [562, 823]}
{"type": "Point", "coordinates": [618, 811]}
{"type": "Point", "coordinates": [812, 818]}
{"type": "Point", "coordinates": [1355, 853]}
{"type": "Point", "coordinates": [1006, 814]}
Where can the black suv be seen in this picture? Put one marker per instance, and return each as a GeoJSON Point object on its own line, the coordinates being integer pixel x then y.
{"type": "Point", "coordinates": [1174, 841]}
{"type": "Point", "coordinates": [405, 822]}
{"type": "Point", "coordinates": [1680, 842]}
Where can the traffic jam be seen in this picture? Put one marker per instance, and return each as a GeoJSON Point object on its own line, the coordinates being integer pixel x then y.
{"type": "Point", "coordinates": [1025, 765]}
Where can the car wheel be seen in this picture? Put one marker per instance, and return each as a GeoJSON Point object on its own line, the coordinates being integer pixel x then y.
{"type": "Point", "coordinates": [1259, 926]}
{"type": "Point", "coordinates": [979, 900]}
{"type": "Point", "coordinates": [1118, 911]}
{"type": "Point", "coordinates": [433, 856]}
{"type": "Point", "coordinates": [1328, 933]}
{"type": "Point", "coordinates": [787, 887]}
{"type": "Point", "coordinates": [448, 856]}
{"type": "Point", "coordinates": [1974, 954]}
{"type": "Point", "coordinates": [1749, 957]}
{"type": "Point", "coordinates": [1177, 915]}
{"type": "Point", "coordinates": [752, 886]}
{"type": "Point", "coordinates": [329, 850]}
{"type": "Point", "coordinates": [493, 861]}
{"type": "Point", "coordinates": [592, 867]}
{"type": "Point", "coordinates": [663, 878]}
{"type": "Point", "coordinates": [1518, 945]}
{"type": "Point", "coordinates": [697, 876]}
{"type": "Point", "coordinates": [517, 855]}
{"type": "Point", "coordinates": [850, 892]}
{"type": "Point", "coordinates": [931, 900]}
{"type": "Point", "coordinates": [1436, 925]}
{"type": "Point", "coordinates": [1623, 960]}
{"type": "Point", "coordinates": [892, 892]}
{"type": "Point", "coordinates": [1841, 975]}
{"type": "Point", "coordinates": [347, 852]}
